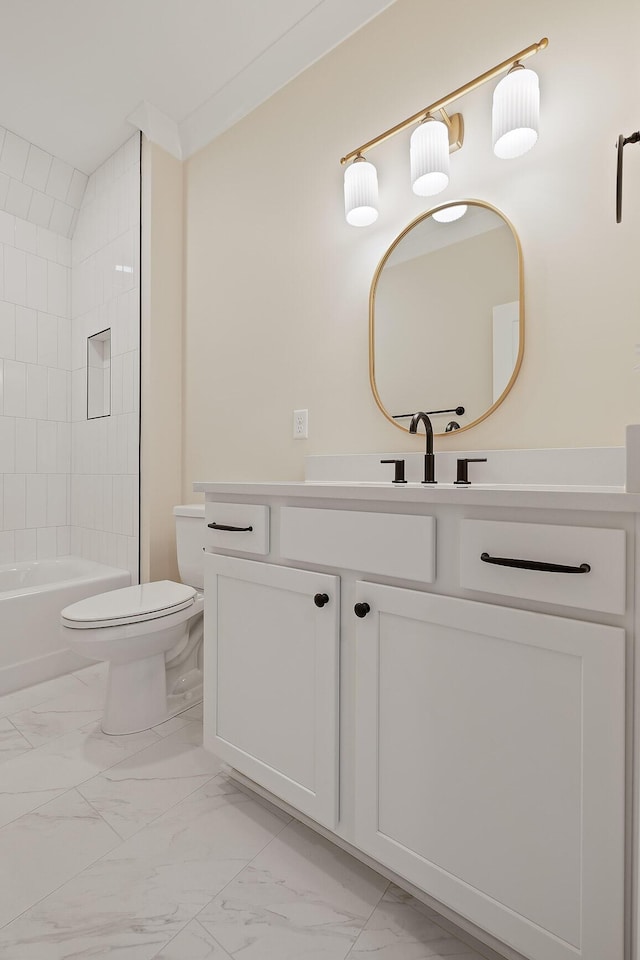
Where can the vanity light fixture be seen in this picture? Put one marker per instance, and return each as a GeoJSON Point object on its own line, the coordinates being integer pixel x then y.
{"type": "Point", "coordinates": [361, 192]}
{"type": "Point", "coordinates": [515, 115]}
{"type": "Point", "coordinates": [451, 213]}
{"type": "Point", "coordinates": [429, 155]}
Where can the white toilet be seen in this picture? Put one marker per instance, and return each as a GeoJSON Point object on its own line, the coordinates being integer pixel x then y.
{"type": "Point", "coordinates": [151, 635]}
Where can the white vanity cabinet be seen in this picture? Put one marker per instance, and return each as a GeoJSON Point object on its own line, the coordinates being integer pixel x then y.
{"type": "Point", "coordinates": [490, 765]}
{"type": "Point", "coordinates": [470, 733]}
{"type": "Point", "coordinates": [271, 678]}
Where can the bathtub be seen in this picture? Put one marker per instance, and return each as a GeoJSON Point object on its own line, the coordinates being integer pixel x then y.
{"type": "Point", "coordinates": [32, 594]}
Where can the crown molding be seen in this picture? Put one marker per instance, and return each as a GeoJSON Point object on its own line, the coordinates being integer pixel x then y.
{"type": "Point", "coordinates": [157, 127]}
{"type": "Point", "coordinates": [321, 30]}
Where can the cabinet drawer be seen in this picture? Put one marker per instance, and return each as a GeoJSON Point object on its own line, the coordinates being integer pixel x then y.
{"type": "Point", "coordinates": [390, 544]}
{"type": "Point", "coordinates": [256, 516]}
{"type": "Point", "coordinates": [602, 588]}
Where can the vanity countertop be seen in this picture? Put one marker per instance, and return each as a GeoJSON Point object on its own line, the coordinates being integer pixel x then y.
{"type": "Point", "coordinates": [609, 498]}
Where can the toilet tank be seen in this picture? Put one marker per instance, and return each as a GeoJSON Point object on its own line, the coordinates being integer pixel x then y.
{"type": "Point", "coordinates": [190, 542]}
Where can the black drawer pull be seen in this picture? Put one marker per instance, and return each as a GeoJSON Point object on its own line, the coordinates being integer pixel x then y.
{"type": "Point", "coordinates": [224, 526]}
{"type": "Point", "coordinates": [321, 599]}
{"type": "Point", "coordinates": [535, 565]}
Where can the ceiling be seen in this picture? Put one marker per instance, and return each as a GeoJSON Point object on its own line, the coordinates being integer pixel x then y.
{"type": "Point", "coordinates": [73, 71]}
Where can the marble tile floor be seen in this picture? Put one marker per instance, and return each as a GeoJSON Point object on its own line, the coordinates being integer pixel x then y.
{"type": "Point", "coordinates": [140, 848]}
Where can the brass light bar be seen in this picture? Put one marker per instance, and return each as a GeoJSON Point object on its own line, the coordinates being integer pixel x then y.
{"type": "Point", "coordinates": [445, 101]}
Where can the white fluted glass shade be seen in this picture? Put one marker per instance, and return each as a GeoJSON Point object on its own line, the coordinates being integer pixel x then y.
{"type": "Point", "coordinates": [429, 154]}
{"type": "Point", "coordinates": [516, 113]}
{"type": "Point", "coordinates": [449, 214]}
{"type": "Point", "coordinates": [361, 193]}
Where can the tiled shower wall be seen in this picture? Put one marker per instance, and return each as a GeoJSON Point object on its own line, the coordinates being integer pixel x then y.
{"type": "Point", "coordinates": [106, 295]}
{"type": "Point", "coordinates": [37, 191]}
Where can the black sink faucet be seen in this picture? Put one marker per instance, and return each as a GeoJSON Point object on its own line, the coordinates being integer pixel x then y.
{"type": "Point", "coordinates": [429, 457]}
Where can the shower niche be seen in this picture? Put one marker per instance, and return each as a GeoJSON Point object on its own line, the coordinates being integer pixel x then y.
{"type": "Point", "coordinates": [99, 375]}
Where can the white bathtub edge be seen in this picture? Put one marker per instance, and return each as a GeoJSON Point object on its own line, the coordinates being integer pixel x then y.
{"type": "Point", "coordinates": [28, 672]}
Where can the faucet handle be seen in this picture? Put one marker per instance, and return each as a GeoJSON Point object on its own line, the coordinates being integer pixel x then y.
{"type": "Point", "coordinates": [462, 478]}
{"type": "Point", "coordinates": [399, 472]}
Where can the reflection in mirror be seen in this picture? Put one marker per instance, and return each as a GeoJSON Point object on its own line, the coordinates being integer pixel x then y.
{"type": "Point", "coordinates": [446, 324]}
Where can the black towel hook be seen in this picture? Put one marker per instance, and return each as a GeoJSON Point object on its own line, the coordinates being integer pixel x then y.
{"type": "Point", "coordinates": [622, 142]}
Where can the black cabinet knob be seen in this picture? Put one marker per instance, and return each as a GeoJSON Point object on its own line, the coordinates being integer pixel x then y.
{"type": "Point", "coordinates": [361, 609]}
{"type": "Point", "coordinates": [320, 599]}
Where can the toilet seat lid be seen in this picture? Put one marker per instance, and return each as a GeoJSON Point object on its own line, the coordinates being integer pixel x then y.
{"type": "Point", "coordinates": [145, 601]}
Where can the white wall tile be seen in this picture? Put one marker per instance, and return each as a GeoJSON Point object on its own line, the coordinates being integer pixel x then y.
{"type": "Point", "coordinates": [26, 335]}
{"type": "Point", "coordinates": [26, 446]}
{"type": "Point", "coordinates": [63, 448]}
{"type": "Point", "coordinates": [37, 168]}
{"type": "Point", "coordinates": [59, 179]}
{"type": "Point", "coordinates": [15, 275]}
{"type": "Point", "coordinates": [47, 243]}
{"type": "Point", "coordinates": [64, 343]}
{"type": "Point", "coordinates": [63, 541]}
{"type": "Point", "coordinates": [105, 452]}
{"type": "Point", "coordinates": [25, 545]}
{"type": "Point", "coordinates": [4, 189]}
{"type": "Point", "coordinates": [7, 228]}
{"type": "Point", "coordinates": [129, 380]}
{"type": "Point", "coordinates": [7, 444]}
{"type": "Point", "coordinates": [36, 392]}
{"type": "Point", "coordinates": [47, 437]}
{"type": "Point", "coordinates": [76, 189]}
{"type": "Point", "coordinates": [13, 158]}
{"type": "Point", "coordinates": [26, 236]}
{"type": "Point", "coordinates": [61, 218]}
{"type": "Point", "coordinates": [7, 331]}
{"type": "Point", "coordinates": [58, 289]}
{"type": "Point", "coordinates": [36, 500]}
{"type": "Point", "coordinates": [56, 501]}
{"type": "Point", "coordinates": [58, 394]}
{"type": "Point", "coordinates": [15, 389]}
{"type": "Point", "coordinates": [18, 200]}
{"type": "Point", "coordinates": [40, 209]}
{"type": "Point", "coordinates": [37, 283]}
{"type": "Point", "coordinates": [64, 251]}
{"type": "Point", "coordinates": [47, 340]}
{"type": "Point", "coordinates": [7, 546]}
{"type": "Point", "coordinates": [46, 543]}
{"type": "Point", "coordinates": [79, 394]}
{"type": "Point", "coordinates": [14, 501]}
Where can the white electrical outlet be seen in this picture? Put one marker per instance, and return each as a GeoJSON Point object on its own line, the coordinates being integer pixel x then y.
{"type": "Point", "coordinates": [300, 424]}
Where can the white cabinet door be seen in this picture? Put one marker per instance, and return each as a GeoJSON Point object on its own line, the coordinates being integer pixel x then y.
{"type": "Point", "coordinates": [272, 679]}
{"type": "Point", "coordinates": [490, 766]}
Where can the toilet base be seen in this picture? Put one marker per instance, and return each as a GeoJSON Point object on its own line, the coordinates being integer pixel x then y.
{"type": "Point", "coordinates": [125, 710]}
{"type": "Point", "coordinates": [156, 709]}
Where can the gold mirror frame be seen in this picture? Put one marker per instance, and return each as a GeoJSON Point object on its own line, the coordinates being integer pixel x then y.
{"type": "Point", "coordinates": [372, 296]}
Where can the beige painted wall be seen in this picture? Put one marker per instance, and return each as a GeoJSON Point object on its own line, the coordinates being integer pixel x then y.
{"type": "Point", "coordinates": [161, 384]}
{"type": "Point", "coordinates": [277, 283]}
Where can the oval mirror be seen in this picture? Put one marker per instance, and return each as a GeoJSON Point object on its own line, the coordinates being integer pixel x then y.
{"type": "Point", "coordinates": [446, 317]}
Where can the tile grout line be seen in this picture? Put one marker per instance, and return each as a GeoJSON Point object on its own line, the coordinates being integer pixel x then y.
{"type": "Point", "coordinates": [120, 842]}
{"type": "Point", "coordinates": [68, 879]}
{"type": "Point", "coordinates": [158, 816]}
{"type": "Point", "coordinates": [176, 934]}
{"type": "Point", "coordinates": [377, 904]}
{"type": "Point", "coordinates": [75, 786]}
{"type": "Point", "coordinates": [38, 703]}
{"type": "Point", "coordinates": [102, 856]}
{"type": "Point", "coordinates": [236, 875]}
